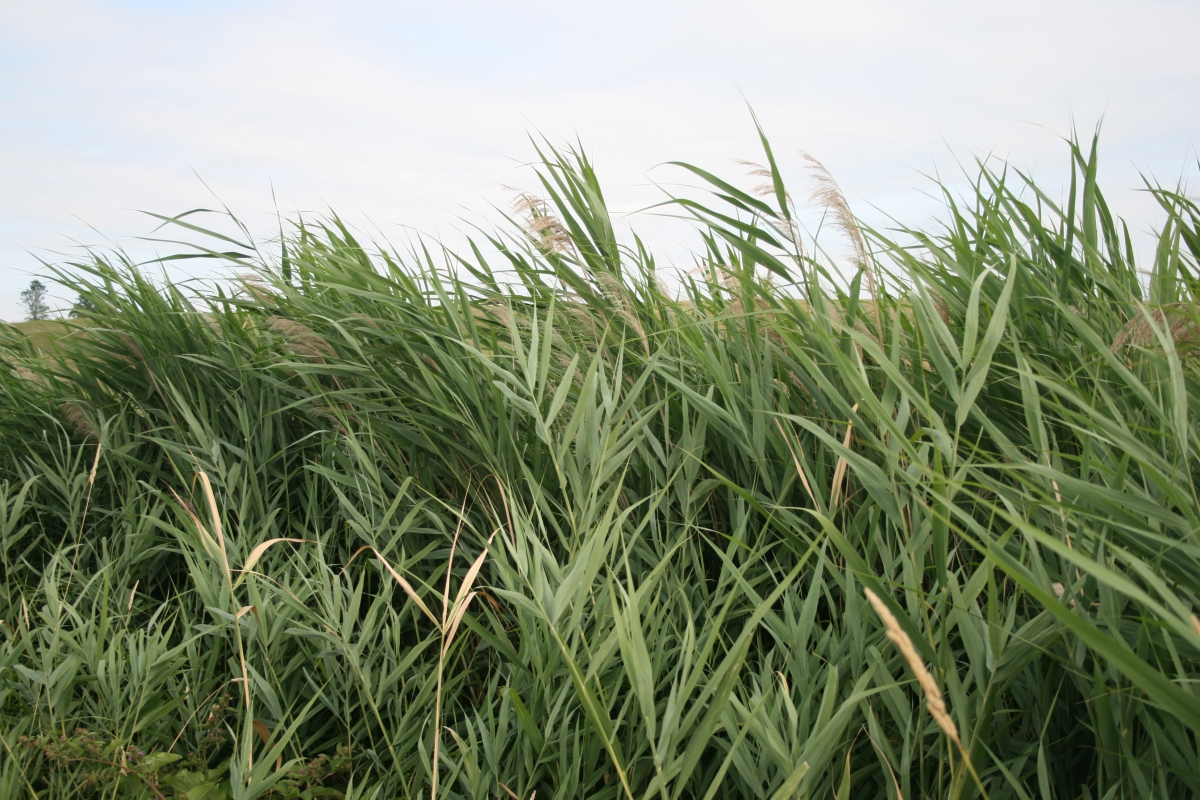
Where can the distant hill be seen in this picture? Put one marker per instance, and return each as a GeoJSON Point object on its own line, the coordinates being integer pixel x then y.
{"type": "Point", "coordinates": [44, 333]}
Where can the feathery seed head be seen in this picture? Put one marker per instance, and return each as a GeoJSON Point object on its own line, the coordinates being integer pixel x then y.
{"type": "Point", "coordinates": [303, 339]}
{"type": "Point", "coordinates": [933, 695]}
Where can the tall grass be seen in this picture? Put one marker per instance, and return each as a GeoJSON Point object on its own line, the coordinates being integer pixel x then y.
{"type": "Point", "coordinates": [433, 523]}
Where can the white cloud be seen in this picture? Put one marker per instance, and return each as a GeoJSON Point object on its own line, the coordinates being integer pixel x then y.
{"type": "Point", "coordinates": [409, 112]}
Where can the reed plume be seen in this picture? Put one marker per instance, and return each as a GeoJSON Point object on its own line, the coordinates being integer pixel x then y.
{"type": "Point", "coordinates": [933, 695]}
{"type": "Point", "coordinates": [829, 195]}
{"type": "Point", "coordinates": [544, 228]}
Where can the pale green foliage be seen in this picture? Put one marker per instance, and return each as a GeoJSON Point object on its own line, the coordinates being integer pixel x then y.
{"type": "Point", "coordinates": [33, 300]}
{"type": "Point", "coordinates": [684, 499]}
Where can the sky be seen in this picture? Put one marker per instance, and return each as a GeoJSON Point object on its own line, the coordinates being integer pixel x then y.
{"type": "Point", "coordinates": [414, 117]}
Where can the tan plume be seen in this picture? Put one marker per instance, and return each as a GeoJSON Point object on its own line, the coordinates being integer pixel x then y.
{"type": "Point", "coordinates": [1178, 319]}
{"type": "Point", "coordinates": [933, 695]}
{"type": "Point", "coordinates": [544, 228]}
{"type": "Point", "coordinates": [827, 192]}
{"type": "Point", "coordinates": [786, 227]}
{"type": "Point", "coordinates": [304, 340]}
{"type": "Point", "coordinates": [759, 171]}
{"type": "Point", "coordinates": [255, 285]}
{"type": "Point", "coordinates": [829, 195]}
{"type": "Point", "coordinates": [74, 413]}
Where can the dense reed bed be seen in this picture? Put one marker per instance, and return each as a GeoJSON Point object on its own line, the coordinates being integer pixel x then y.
{"type": "Point", "coordinates": [521, 520]}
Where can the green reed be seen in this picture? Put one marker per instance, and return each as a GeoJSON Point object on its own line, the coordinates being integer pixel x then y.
{"type": "Point", "coordinates": [522, 518]}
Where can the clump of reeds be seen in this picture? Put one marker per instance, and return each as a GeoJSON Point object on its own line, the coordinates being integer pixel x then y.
{"type": "Point", "coordinates": [225, 524]}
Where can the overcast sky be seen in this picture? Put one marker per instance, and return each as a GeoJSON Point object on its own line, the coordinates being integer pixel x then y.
{"type": "Point", "coordinates": [417, 114]}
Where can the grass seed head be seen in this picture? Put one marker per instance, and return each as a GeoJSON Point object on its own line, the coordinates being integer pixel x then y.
{"type": "Point", "coordinates": [1178, 319]}
{"type": "Point", "coordinates": [304, 340]}
{"type": "Point", "coordinates": [933, 695]}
